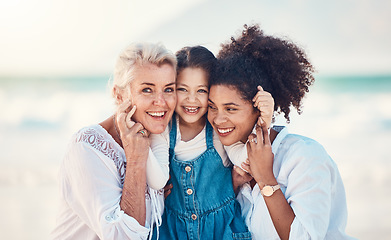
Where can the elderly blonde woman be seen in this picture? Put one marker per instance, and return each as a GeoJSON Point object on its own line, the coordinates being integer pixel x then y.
{"type": "Point", "coordinates": [107, 191]}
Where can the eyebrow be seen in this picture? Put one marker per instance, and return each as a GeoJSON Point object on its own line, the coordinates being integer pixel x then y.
{"type": "Point", "coordinates": [182, 84]}
{"type": "Point", "coordinates": [226, 104]}
{"type": "Point", "coordinates": [152, 84]}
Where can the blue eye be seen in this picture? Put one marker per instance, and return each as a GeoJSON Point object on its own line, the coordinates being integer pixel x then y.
{"type": "Point", "coordinates": [147, 90]}
{"type": "Point", "coordinates": [168, 90]}
{"type": "Point", "coordinates": [202, 91]}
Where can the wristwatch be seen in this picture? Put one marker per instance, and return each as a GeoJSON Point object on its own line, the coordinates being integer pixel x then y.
{"type": "Point", "coordinates": [268, 190]}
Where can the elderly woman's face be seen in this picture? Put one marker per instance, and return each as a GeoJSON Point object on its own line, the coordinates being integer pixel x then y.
{"type": "Point", "coordinates": [231, 117]}
{"type": "Point", "coordinates": [153, 92]}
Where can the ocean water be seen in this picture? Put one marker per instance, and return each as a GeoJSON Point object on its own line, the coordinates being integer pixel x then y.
{"type": "Point", "coordinates": [349, 115]}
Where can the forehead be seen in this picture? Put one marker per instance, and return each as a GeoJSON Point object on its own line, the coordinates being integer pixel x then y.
{"type": "Point", "coordinates": [192, 76]}
{"type": "Point", "coordinates": [224, 93]}
{"type": "Point", "coordinates": [153, 74]}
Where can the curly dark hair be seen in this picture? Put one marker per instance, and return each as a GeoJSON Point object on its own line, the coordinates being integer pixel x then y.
{"type": "Point", "coordinates": [278, 65]}
{"type": "Point", "coordinates": [196, 57]}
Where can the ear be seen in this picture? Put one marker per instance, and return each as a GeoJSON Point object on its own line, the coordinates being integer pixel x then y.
{"type": "Point", "coordinates": [117, 95]}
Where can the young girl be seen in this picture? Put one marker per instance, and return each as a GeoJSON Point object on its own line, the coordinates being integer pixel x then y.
{"type": "Point", "coordinates": [202, 203]}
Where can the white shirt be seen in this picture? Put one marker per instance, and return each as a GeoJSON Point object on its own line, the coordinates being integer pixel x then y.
{"type": "Point", "coordinates": [188, 150]}
{"type": "Point", "coordinates": [91, 179]}
{"type": "Point", "coordinates": [312, 185]}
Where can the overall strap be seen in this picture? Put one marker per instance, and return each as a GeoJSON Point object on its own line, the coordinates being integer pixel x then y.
{"type": "Point", "coordinates": [173, 133]}
{"type": "Point", "coordinates": [209, 135]}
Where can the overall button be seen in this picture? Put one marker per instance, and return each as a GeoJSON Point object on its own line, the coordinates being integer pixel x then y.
{"type": "Point", "coordinates": [193, 216]}
{"type": "Point", "coordinates": [189, 191]}
{"type": "Point", "coordinates": [187, 168]}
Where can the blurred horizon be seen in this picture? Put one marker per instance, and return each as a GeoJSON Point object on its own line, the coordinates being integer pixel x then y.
{"type": "Point", "coordinates": [58, 38]}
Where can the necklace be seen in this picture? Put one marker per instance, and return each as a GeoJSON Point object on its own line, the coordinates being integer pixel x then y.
{"type": "Point", "coordinates": [115, 127]}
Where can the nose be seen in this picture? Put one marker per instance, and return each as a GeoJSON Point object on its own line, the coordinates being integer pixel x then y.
{"type": "Point", "coordinates": [219, 118]}
{"type": "Point", "coordinates": [191, 97]}
{"type": "Point", "coordinates": [159, 100]}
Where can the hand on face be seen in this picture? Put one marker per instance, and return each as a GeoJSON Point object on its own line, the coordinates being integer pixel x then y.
{"type": "Point", "coordinates": [134, 137]}
{"type": "Point", "coordinates": [265, 104]}
{"type": "Point", "coordinates": [260, 155]}
{"type": "Point", "coordinates": [153, 92]}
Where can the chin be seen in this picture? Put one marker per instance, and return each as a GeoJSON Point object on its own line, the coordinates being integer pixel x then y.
{"type": "Point", "coordinates": [227, 142]}
{"type": "Point", "coordinates": [157, 129]}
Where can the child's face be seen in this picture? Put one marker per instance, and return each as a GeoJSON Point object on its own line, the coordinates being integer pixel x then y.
{"type": "Point", "coordinates": [192, 94]}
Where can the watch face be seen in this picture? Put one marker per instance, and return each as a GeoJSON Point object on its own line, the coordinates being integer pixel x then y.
{"type": "Point", "coordinates": [267, 191]}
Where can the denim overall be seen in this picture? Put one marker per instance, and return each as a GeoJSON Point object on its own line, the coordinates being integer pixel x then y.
{"type": "Point", "coordinates": [202, 202]}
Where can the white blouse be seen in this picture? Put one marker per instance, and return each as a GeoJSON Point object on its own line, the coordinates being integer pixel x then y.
{"type": "Point", "coordinates": [312, 185]}
{"type": "Point", "coordinates": [188, 150]}
{"type": "Point", "coordinates": [91, 179]}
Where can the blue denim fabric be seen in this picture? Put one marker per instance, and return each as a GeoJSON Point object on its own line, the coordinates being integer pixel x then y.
{"type": "Point", "coordinates": [202, 203]}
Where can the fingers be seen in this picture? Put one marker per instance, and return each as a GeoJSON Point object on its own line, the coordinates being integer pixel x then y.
{"type": "Point", "coordinates": [124, 115]}
{"type": "Point", "coordinates": [137, 128]}
{"type": "Point", "coordinates": [260, 121]}
{"type": "Point", "coordinates": [264, 102]}
{"type": "Point", "coordinates": [246, 176]}
{"type": "Point", "coordinates": [167, 190]}
{"type": "Point", "coordinates": [122, 110]}
{"type": "Point", "coordinates": [263, 97]}
{"type": "Point", "coordinates": [252, 139]}
{"type": "Point", "coordinates": [240, 171]}
{"type": "Point", "coordinates": [245, 166]}
{"type": "Point", "coordinates": [260, 90]}
{"type": "Point", "coordinates": [129, 121]}
{"type": "Point", "coordinates": [260, 136]}
{"type": "Point", "coordinates": [265, 132]}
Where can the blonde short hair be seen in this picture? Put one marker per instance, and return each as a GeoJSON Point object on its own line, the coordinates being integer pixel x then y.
{"type": "Point", "coordinates": [138, 54]}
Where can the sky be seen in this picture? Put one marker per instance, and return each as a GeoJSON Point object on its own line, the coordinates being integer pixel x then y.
{"type": "Point", "coordinates": [84, 37]}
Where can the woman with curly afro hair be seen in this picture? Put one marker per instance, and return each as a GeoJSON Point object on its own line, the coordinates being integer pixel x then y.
{"type": "Point", "coordinates": [295, 190]}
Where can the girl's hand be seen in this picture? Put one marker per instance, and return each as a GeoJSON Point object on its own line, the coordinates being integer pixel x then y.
{"type": "Point", "coordinates": [265, 104]}
{"type": "Point", "coordinates": [134, 137]}
{"type": "Point", "coordinates": [260, 155]}
{"type": "Point", "coordinates": [239, 177]}
{"type": "Point", "coordinates": [167, 188]}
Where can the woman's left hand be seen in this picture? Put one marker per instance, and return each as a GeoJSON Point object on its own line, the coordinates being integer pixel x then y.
{"type": "Point", "coordinates": [260, 155]}
{"type": "Point", "coordinates": [265, 103]}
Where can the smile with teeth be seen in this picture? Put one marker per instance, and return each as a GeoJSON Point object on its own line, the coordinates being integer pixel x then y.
{"type": "Point", "coordinates": [156, 114]}
{"type": "Point", "coordinates": [225, 130]}
{"type": "Point", "coordinates": [191, 109]}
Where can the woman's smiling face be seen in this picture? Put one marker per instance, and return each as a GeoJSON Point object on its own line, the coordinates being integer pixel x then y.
{"type": "Point", "coordinates": [153, 92]}
{"type": "Point", "coordinates": [231, 117]}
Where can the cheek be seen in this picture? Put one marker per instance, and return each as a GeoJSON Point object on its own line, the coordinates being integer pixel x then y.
{"type": "Point", "coordinates": [180, 97]}
{"type": "Point", "coordinates": [210, 116]}
{"type": "Point", "coordinates": [204, 101]}
{"type": "Point", "coordinates": [171, 101]}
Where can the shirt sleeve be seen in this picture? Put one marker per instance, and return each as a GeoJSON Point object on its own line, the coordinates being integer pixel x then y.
{"type": "Point", "coordinates": [237, 153]}
{"type": "Point", "coordinates": [158, 162]}
{"type": "Point", "coordinates": [309, 188]}
{"type": "Point", "coordinates": [91, 186]}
